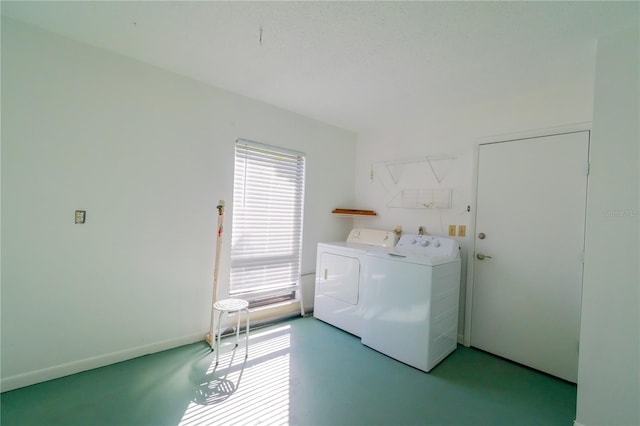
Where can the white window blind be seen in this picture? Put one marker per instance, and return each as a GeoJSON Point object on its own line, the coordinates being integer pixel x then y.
{"type": "Point", "coordinates": [268, 196]}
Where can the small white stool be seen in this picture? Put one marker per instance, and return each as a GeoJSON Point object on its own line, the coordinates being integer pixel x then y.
{"type": "Point", "coordinates": [229, 306]}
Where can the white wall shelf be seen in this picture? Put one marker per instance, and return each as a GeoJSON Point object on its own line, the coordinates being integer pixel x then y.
{"type": "Point", "coordinates": [422, 198]}
{"type": "Point", "coordinates": [395, 167]}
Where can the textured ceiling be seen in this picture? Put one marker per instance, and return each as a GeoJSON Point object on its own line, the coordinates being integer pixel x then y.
{"type": "Point", "coordinates": [352, 64]}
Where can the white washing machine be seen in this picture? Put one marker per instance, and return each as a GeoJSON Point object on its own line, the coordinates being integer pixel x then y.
{"type": "Point", "coordinates": [340, 276]}
{"type": "Point", "coordinates": [411, 303]}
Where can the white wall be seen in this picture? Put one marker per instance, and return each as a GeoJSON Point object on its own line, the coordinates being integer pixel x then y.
{"type": "Point", "coordinates": [457, 132]}
{"type": "Point", "coordinates": [608, 372]}
{"type": "Point", "coordinates": [608, 375]}
{"type": "Point", "coordinates": [147, 154]}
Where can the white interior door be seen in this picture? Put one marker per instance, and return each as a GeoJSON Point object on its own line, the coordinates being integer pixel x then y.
{"type": "Point", "coordinates": [530, 222]}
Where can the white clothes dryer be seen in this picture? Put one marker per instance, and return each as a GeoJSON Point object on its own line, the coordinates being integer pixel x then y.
{"type": "Point", "coordinates": [411, 303]}
{"type": "Point", "coordinates": [340, 277]}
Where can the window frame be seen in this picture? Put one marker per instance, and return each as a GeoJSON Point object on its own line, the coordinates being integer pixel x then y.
{"type": "Point", "coordinates": [267, 223]}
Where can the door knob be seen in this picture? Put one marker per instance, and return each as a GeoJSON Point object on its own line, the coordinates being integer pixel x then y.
{"type": "Point", "coordinates": [481, 235]}
{"type": "Point", "coordinates": [482, 256]}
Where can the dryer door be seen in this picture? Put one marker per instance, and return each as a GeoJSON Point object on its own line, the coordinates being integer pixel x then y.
{"type": "Point", "coordinates": [339, 277]}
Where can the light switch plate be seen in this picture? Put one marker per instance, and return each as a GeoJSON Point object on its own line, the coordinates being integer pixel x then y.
{"type": "Point", "coordinates": [452, 230]}
{"type": "Point", "coordinates": [80, 216]}
{"type": "Point", "coordinates": [462, 230]}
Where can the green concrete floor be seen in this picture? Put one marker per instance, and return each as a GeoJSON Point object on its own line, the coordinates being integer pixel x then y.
{"type": "Point", "coordinates": [299, 372]}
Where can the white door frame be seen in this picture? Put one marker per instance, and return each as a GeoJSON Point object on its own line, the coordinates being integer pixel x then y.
{"type": "Point", "coordinates": [570, 128]}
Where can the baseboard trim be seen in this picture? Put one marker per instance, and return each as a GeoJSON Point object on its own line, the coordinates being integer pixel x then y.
{"type": "Point", "coordinates": [258, 316]}
{"type": "Point", "coordinates": [61, 370]}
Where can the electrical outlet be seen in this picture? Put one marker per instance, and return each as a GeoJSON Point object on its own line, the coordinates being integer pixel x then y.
{"type": "Point", "coordinates": [80, 216]}
{"type": "Point", "coordinates": [452, 230]}
{"type": "Point", "coordinates": [462, 230]}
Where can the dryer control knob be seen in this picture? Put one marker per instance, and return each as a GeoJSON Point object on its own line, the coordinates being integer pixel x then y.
{"type": "Point", "coordinates": [424, 243]}
{"type": "Point", "coordinates": [436, 243]}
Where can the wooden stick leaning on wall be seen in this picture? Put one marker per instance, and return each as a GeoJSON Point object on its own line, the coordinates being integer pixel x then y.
{"type": "Point", "coordinates": [209, 338]}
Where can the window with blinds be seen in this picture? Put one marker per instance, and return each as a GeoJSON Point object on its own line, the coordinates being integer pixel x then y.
{"type": "Point", "coordinates": [268, 196]}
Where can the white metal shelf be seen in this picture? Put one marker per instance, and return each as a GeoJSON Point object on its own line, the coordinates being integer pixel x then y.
{"type": "Point", "coordinates": [395, 167]}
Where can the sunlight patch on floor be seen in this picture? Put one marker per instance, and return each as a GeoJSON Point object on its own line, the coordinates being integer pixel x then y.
{"type": "Point", "coordinates": [242, 391]}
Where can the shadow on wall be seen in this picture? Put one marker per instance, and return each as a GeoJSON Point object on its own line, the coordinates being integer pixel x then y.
{"type": "Point", "coordinates": [308, 284]}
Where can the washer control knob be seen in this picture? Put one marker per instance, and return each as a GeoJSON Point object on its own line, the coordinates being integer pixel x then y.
{"type": "Point", "coordinates": [436, 243]}
{"type": "Point", "coordinates": [424, 243]}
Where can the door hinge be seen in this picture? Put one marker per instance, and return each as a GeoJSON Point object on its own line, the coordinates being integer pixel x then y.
{"type": "Point", "coordinates": [588, 168]}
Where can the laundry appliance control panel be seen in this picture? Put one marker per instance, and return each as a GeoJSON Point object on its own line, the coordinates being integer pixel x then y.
{"type": "Point", "coordinates": [427, 245]}
{"type": "Point", "coordinates": [373, 237]}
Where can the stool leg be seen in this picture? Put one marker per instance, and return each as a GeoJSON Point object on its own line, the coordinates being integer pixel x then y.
{"type": "Point", "coordinates": [246, 354]}
{"type": "Point", "coordinates": [238, 327]}
{"type": "Point", "coordinates": [218, 338]}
